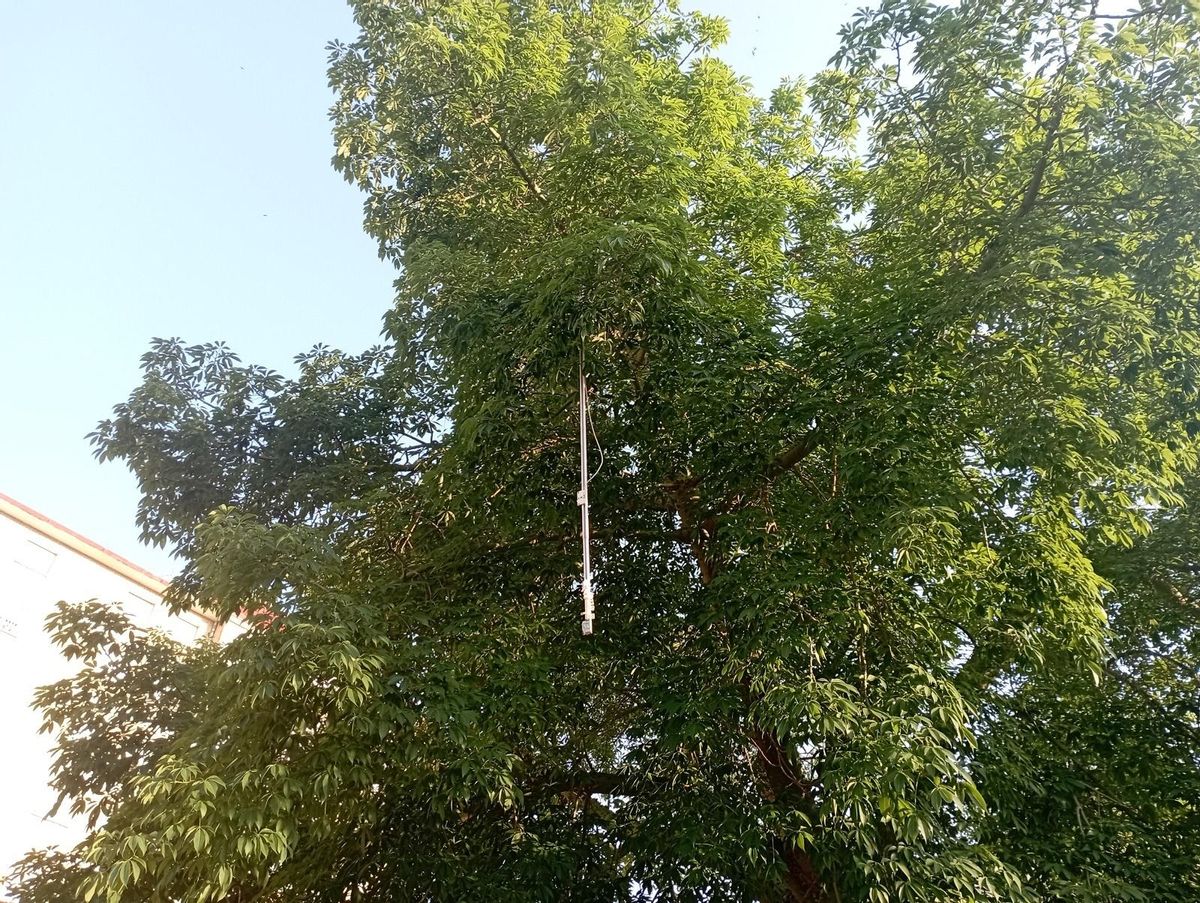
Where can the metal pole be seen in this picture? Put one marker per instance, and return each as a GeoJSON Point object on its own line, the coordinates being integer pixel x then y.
{"type": "Point", "coordinates": [582, 500]}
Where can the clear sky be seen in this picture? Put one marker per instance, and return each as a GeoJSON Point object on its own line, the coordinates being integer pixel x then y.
{"type": "Point", "coordinates": [164, 171]}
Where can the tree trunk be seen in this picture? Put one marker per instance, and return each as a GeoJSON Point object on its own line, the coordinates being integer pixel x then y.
{"type": "Point", "coordinates": [804, 884]}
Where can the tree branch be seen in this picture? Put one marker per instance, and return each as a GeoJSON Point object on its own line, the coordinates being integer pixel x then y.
{"type": "Point", "coordinates": [1167, 586]}
{"type": "Point", "coordinates": [514, 159]}
{"type": "Point", "coordinates": [792, 456]}
{"type": "Point", "coordinates": [991, 255]}
{"type": "Point", "coordinates": [587, 782]}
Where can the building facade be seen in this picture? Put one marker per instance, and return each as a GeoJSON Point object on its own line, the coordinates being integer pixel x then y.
{"type": "Point", "coordinates": [41, 563]}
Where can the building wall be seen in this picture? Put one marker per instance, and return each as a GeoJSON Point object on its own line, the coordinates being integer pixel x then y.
{"type": "Point", "coordinates": [42, 562]}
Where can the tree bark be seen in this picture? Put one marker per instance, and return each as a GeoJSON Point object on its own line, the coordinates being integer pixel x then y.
{"type": "Point", "coordinates": [802, 880]}
{"type": "Point", "coordinates": [804, 883]}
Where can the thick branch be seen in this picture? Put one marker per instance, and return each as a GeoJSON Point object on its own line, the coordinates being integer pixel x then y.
{"type": "Point", "coordinates": [792, 456]}
{"type": "Point", "coordinates": [1175, 592]}
{"type": "Point", "coordinates": [804, 884]}
{"type": "Point", "coordinates": [587, 782]}
{"type": "Point", "coordinates": [516, 162]}
{"type": "Point", "coordinates": [782, 463]}
{"type": "Point", "coordinates": [1033, 189]}
{"type": "Point", "coordinates": [1038, 177]}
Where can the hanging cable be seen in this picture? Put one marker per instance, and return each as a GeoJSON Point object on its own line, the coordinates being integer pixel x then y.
{"type": "Point", "coordinates": [582, 500]}
{"type": "Point", "coordinates": [595, 439]}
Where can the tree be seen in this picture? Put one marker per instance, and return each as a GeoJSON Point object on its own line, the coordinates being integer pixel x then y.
{"type": "Point", "coordinates": [895, 378]}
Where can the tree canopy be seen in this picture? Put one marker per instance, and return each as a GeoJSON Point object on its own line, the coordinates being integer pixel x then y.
{"type": "Point", "coordinates": [895, 377]}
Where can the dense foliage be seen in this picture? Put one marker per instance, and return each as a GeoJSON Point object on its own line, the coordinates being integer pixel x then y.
{"type": "Point", "coordinates": [895, 376]}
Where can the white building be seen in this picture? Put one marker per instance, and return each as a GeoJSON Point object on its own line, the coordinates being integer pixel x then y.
{"type": "Point", "coordinates": [41, 563]}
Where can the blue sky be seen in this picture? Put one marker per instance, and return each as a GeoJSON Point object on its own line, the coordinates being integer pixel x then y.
{"type": "Point", "coordinates": [165, 172]}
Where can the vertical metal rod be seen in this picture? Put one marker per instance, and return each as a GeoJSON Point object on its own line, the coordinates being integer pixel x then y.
{"type": "Point", "coordinates": [582, 500]}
